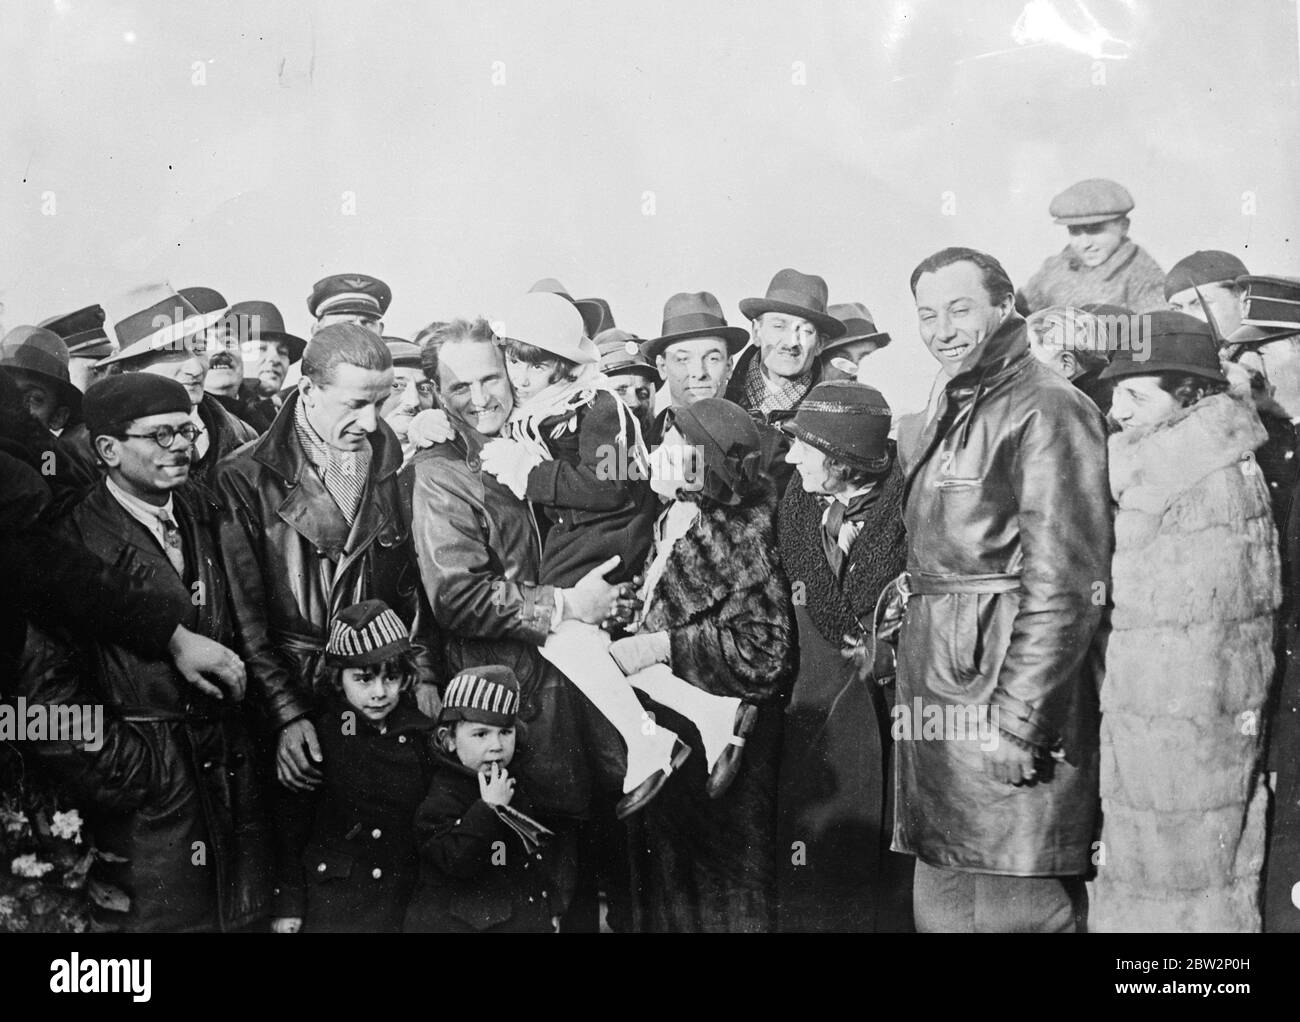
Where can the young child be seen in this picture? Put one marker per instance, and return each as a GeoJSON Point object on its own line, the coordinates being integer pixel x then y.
{"type": "Point", "coordinates": [348, 859]}
{"type": "Point", "coordinates": [575, 449]}
{"type": "Point", "coordinates": [482, 863]}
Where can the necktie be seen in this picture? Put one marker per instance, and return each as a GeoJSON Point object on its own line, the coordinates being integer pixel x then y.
{"type": "Point", "coordinates": [172, 542]}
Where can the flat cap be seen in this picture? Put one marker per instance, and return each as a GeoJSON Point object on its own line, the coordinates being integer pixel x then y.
{"type": "Point", "coordinates": [1093, 201]}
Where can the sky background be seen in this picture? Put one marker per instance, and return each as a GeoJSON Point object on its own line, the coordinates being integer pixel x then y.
{"type": "Point", "coordinates": [460, 151]}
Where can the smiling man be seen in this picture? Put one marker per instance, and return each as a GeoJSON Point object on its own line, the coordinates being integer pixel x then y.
{"type": "Point", "coordinates": [249, 357]}
{"type": "Point", "coordinates": [314, 521]}
{"type": "Point", "coordinates": [1100, 263]}
{"type": "Point", "coordinates": [1007, 511]}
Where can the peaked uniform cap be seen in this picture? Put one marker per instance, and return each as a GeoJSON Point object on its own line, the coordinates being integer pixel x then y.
{"type": "Point", "coordinates": [485, 695]}
{"type": "Point", "coordinates": [620, 352]}
{"type": "Point", "coordinates": [364, 634]}
{"type": "Point", "coordinates": [349, 294]}
{"type": "Point", "coordinates": [83, 332]}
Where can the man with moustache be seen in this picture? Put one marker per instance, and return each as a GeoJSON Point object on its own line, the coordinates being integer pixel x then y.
{"type": "Point", "coordinates": [791, 326]}
{"type": "Point", "coordinates": [171, 339]}
{"type": "Point", "coordinates": [172, 770]}
{"type": "Point", "coordinates": [1100, 263]}
{"type": "Point", "coordinates": [405, 400]}
{"type": "Point", "coordinates": [315, 519]}
{"type": "Point", "coordinates": [1007, 510]}
{"type": "Point", "coordinates": [251, 339]}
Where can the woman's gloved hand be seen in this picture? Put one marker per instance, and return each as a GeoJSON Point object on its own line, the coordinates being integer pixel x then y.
{"type": "Point", "coordinates": [510, 462]}
{"type": "Point", "coordinates": [430, 427]}
{"type": "Point", "coordinates": [637, 652]}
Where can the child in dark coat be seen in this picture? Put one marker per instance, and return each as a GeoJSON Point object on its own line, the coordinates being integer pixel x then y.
{"type": "Point", "coordinates": [348, 858]}
{"type": "Point", "coordinates": [482, 862]}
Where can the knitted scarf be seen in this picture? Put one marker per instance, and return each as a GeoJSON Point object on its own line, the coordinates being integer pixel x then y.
{"type": "Point", "coordinates": [877, 556]}
{"type": "Point", "coordinates": [761, 397]}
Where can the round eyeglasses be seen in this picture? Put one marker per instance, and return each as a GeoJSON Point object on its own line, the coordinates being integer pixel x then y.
{"type": "Point", "coordinates": [165, 436]}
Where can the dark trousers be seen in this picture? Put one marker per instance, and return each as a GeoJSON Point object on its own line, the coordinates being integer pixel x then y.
{"type": "Point", "coordinates": [953, 901]}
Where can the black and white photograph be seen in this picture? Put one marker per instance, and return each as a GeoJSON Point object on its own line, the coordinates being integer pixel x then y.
{"type": "Point", "coordinates": [709, 467]}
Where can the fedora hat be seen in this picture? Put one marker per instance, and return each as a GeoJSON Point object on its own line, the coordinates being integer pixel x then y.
{"type": "Point", "coordinates": [858, 326]}
{"type": "Point", "coordinates": [606, 321]}
{"type": "Point", "coordinates": [549, 321]}
{"type": "Point", "coordinates": [1176, 343]}
{"type": "Point", "coordinates": [83, 332]}
{"type": "Point", "coordinates": [261, 321]}
{"type": "Point", "coordinates": [690, 315]}
{"type": "Point", "coordinates": [592, 310]}
{"type": "Point", "coordinates": [33, 349]}
{"type": "Point", "coordinates": [167, 324]}
{"type": "Point", "coordinates": [620, 352]}
{"type": "Point", "coordinates": [849, 421]}
{"type": "Point", "coordinates": [798, 294]}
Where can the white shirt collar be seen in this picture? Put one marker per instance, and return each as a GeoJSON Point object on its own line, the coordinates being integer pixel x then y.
{"type": "Point", "coordinates": [139, 507]}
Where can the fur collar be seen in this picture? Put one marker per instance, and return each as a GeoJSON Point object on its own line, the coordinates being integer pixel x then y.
{"type": "Point", "coordinates": [1150, 467]}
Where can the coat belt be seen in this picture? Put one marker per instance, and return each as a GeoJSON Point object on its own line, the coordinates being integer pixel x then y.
{"type": "Point", "coordinates": [940, 585]}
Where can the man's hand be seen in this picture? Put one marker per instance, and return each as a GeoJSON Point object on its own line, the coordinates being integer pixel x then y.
{"type": "Point", "coordinates": [1009, 762]}
{"type": "Point", "coordinates": [495, 785]}
{"type": "Point", "coordinates": [430, 427]}
{"type": "Point", "coordinates": [196, 655]}
{"type": "Point", "coordinates": [427, 699]}
{"type": "Point", "coordinates": [286, 924]}
{"type": "Point", "coordinates": [296, 762]}
{"type": "Point", "coordinates": [593, 599]}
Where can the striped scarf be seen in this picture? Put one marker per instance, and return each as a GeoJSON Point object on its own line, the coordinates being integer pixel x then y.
{"type": "Point", "coordinates": [765, 396]}
{"type": "Point", "coordinates": [344, 473]}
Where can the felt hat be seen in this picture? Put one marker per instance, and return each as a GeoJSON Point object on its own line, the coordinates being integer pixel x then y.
{"type": "Point", "coordinates": [261, 321]}
{"type": "Point", "coordinates": [548, 321]}
{"type": "Point", "coordinates": [849, 421]}
{"type": "Point", "coordinates": [592, 310]}
{"type": "Point", "coordinates": [730, 443]}
{"type": "Point", "coordinates": [169, 324]}
{"type": "Point", "coordinates": [859, 325]}
{"type": "Point", "coordinates": [33, 349]}
{"type": "Point", "coordinates": [1175, 342]}
{"type": "Point", "coordinates": [797, 294]}
{"type": "Point", "coordinates": [692, 315]}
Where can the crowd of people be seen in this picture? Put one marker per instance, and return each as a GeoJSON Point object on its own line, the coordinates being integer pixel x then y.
{"type": "Point", "coordinates": [528, 623]}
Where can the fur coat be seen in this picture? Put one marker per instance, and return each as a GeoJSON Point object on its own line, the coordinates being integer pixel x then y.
{"type": "Point", "coordinates": [701, 864]}
{"type": "Point", "coordinates": [1188, 665]}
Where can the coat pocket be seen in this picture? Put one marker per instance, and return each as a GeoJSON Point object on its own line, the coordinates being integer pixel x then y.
{"type": "Point", "coordinates": [481, 909]}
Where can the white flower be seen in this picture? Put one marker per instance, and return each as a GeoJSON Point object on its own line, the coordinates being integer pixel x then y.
{"type": "Point", "coordinates": [67, 825]}
{"type": "Point", "coordinates": [29, 866]}
{"type": "Point", "coordinates": [15, 823]}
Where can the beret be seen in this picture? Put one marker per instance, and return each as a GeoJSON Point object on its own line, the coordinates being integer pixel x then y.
{"type": "Point", "coordinates": [1209, 266]}
{"type": "Point", "coordinates": [1091, 202]}
{"type": "Point", "coordinates": [116, 400]}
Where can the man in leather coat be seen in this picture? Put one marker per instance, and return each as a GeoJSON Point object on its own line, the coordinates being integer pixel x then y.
{"type": "Point", "coordinates": [1009, 544]}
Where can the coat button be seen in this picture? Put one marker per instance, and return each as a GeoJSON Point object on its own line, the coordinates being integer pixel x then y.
{"type": "Point", "coordinates": [207, 764]}
{"type": "Point", "coordinates": [545, 895]}
{"type": "Point", "coordinates": [376, 872]}
{"type": "Point", "coordinates": [401, 739]}
{"type": "Point", "coordinates": [321, 868]}
{"type": "Point", "coordinates": [376, 833]}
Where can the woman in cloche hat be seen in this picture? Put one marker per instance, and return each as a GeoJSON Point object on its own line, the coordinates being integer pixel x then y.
{"type": "Point", "coordinates": [1194, 586]}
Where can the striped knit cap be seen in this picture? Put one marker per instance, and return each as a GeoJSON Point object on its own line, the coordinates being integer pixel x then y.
{"type": "Point", "coordinates": [366, 633]}
{"type": "Point", "coordinates": [485, 695]}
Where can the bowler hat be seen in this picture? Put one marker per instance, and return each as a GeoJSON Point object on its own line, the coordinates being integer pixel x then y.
{"type": "Point", "coordinates": [692, 315]}
{"type": "Point", "coordinates": [620, 352]}
{"type": "Point", "coordinates": [1208, 266]}
{"type": "Point", "coordinates": [730, 443]}
{"type": "Point", "coordinates": [33, 349]}
{"type": "Point", "coordinates": [849, 421]}
{"type": "Point", "coordinates": [83, 332]}
{"type": "Point", "coordinates": [114, 401]}
{"type": "Point", "coordinates": [366, 633]}
{"type": "Point", "coordinates": [548, 321]}
{"type": "Point", "coordinates": [592, 310]}
{"type": "Point", "coordinates": [1175, 342]}
{"type": "Point", "coordinates": [1093, 201]}
{"type": "Point", "coordinates": [485, 695]}
{"type": "Point", "coordinates": [167, 323]}
{"type": "Point", "coordinates": [349, 294]}
{"type": "Point", "coordinates": [797, 294]}
{"type": "Point", "coordinates": [859, 325]}
{"type": "Point", "coordinates": [261, 321]}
